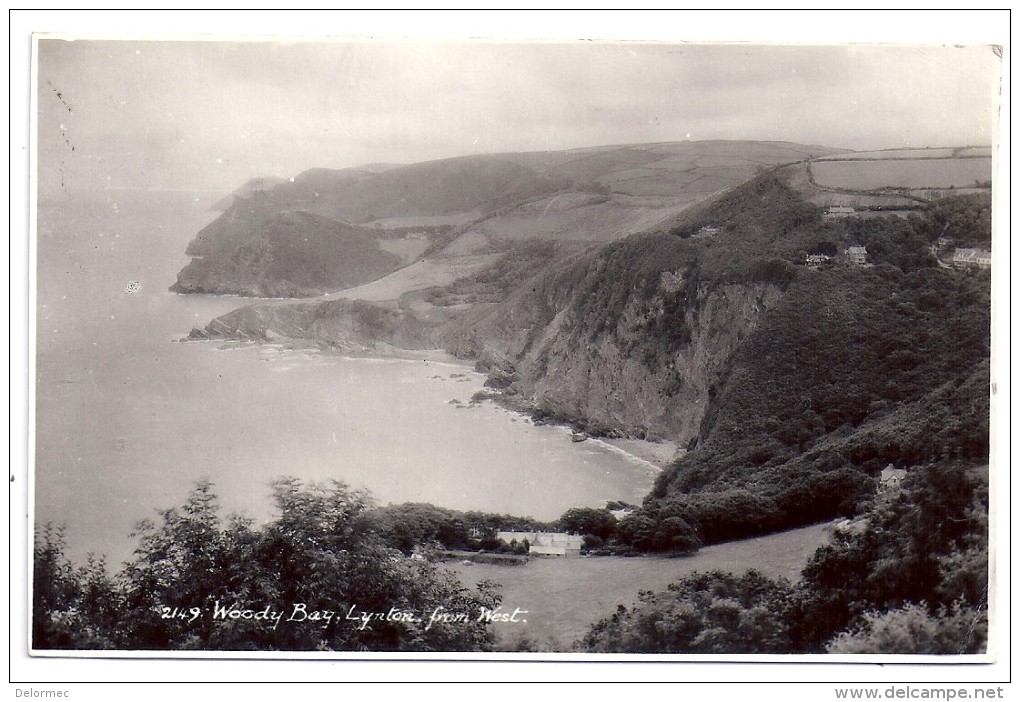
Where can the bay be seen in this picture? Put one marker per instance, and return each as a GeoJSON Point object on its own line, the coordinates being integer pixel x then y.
{"type": "Point", "coordinates": [128, 417]}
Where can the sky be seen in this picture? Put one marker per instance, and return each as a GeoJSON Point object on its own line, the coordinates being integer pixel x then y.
{"type": "Point", "coordinates": [211, 114]}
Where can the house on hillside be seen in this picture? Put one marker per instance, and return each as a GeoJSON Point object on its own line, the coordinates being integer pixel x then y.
{"type": "Point", "coordinates": [858, 255]}
{"type": "Point", "coordinates": [839, 211]}
{"type": "Point", "coordinates": [708, 230]}
{"type": "Point", "coordinates": [815, 260]}
{"type": "Point", "coordinates": [972, 258]}
{"type": "Point", "coordinates": [545, 543]}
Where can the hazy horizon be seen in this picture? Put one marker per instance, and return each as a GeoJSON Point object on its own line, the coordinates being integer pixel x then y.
{"type": "Point", "coordinates": [209, 115]}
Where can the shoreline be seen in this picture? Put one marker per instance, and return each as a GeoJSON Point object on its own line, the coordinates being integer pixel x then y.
{"type": "Point", "coordinates": [433, 357]}
{"type": "Point", "coordinates": [656, 455]}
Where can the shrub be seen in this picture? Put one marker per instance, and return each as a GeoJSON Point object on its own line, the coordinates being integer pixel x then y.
{"type": "Point", "coordinates": [912, 629]}
{"type": "Point", "coordinates": [704, 613]}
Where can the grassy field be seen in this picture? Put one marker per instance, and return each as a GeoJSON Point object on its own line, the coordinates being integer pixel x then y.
{"type": "Point", "coordinates": [891, 154]}
{"type": "Point", "coordinates": [919, 173]}
{"type": "Point", "coordinates": [564, 597]}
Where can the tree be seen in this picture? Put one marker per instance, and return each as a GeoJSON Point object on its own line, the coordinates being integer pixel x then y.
{"type": "Point", "coordinates": [588, 520]}
{"type": "Point", "coordinates": [73, 607]}
{"type": "Point", "coordinates": [313, 578]}
{"type": "Point", "coordinates": [176, 565]}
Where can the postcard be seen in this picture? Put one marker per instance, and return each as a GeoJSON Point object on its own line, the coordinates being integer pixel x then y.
{"type": "Point", "coordinates": [387, 349]}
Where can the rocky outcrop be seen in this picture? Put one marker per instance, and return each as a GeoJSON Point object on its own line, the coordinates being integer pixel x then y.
{"type": "Point", "coordinates": [351, 325]}
{"type": "Point", "coordinates": [612, 386]}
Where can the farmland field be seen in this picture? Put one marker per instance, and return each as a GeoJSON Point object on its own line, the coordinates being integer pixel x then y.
{"type": "Point", "coordinates": [565, 596]}
{"type": "Point", "coordinates": [893, 154]}
{"type": "Point", "coordinates": [920, 173]}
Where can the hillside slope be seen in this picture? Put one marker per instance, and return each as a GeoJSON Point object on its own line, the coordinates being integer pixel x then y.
{"type": "Point", "coordinates": [356, 326]}
{"type": "Point", "coordinates": [254, 250]}
{"type": "Point", "coordinates": [793, 386]}
{"type": "Point", "coordinates": [458, 206]}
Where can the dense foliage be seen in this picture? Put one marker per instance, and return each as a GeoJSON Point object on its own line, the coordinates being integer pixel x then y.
{"type": "Point", "coordinates": [199, 582]}
{"type": "Point", "coordinates": [910, 576]}
{"type": "Point", "coordinates": [704, 613]}
{"type": "Point", "coordinates": [588, 521]}
{"type": "Point", "coordinates": [967, 220]}
{"type": "Point", "coordinates": [913, 629]}
{"type": "Point", "coordinates": [413, 525]}
{"type": "Point", "coordinates": [926, 543]}
{"type": "Point", "coordinates": [855, 368]}
{"type": "Point", "coordinates": [825, 393]}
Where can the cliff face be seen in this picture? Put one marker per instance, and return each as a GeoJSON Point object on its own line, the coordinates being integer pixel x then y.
{"type": "Point", "coordinates": [618, 389]}
{"type": "Point", "coordinates": [626, 339]}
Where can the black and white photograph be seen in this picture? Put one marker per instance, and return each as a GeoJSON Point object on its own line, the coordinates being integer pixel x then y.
{"type": "Point", "coordinates": [355, 347]}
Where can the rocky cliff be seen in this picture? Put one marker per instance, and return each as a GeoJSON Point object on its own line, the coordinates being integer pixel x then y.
{"type": "Point", "coordinates": [625, 340]}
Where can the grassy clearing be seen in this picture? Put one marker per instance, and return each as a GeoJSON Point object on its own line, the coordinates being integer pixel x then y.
{"type": "Point", "coordinates": [564, 597]}
{"type": "Point", "coordinates": [417, 276]}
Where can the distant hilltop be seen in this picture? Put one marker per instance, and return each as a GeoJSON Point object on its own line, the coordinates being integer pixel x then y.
{"type": "Point", "coordinates": [588, 194]}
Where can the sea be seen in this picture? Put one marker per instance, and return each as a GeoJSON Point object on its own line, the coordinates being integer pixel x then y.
{"type": "Point", "coordinates": [127, 416]}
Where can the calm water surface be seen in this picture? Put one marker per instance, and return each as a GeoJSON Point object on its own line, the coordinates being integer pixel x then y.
{"type": "Point", "coordinates": [127, 417]}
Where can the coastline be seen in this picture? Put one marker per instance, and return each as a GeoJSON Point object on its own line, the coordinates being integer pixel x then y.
{"type": "Point", "coordinates": [654, 455]}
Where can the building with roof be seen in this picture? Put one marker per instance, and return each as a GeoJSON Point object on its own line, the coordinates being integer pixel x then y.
{"type": "Point", "coordinates": [858, 255]}
{"type": "Point", "coordinates": [815, 260]}
{"type": "Point", "coordinates": [545, 543]}
{"type": "Point", "coordinates": [972, 258]}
